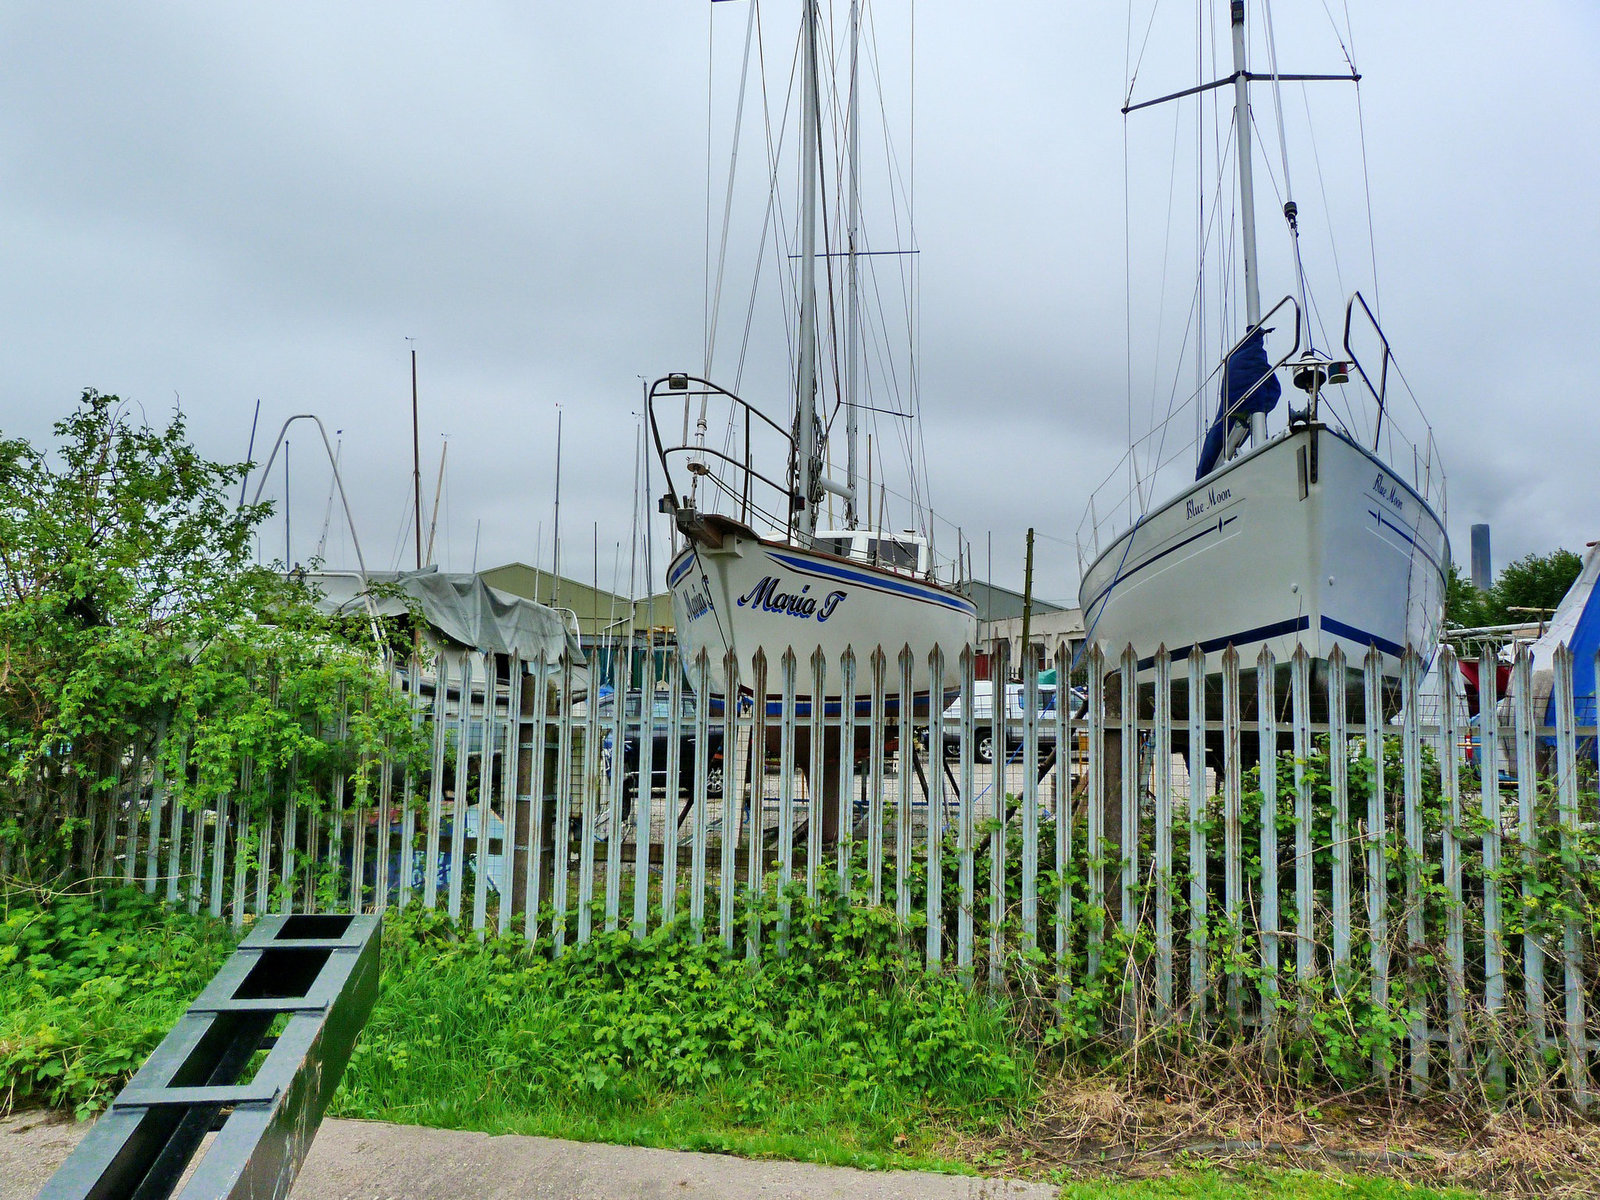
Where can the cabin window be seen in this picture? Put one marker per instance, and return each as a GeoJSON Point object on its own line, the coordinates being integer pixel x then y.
{"type": "Point", "coordinates": [836, 545]}
{"type": "Point", "coordinates": [891, 553]}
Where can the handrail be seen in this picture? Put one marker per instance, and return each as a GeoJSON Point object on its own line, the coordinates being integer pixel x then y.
{"type": "Point", "coordinates": [1378, 393]}
{"type": "Point", "coordinates": [687, 386]}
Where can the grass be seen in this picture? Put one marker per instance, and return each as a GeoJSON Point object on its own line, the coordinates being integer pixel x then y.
{"type": "Point", "coordinates": [842, 1054]}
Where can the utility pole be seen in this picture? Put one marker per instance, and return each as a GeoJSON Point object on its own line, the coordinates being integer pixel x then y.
{"type": "Point", "coordinates": [1027, 606]}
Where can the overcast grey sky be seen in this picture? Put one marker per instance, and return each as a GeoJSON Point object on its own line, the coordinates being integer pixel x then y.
{"type": "Point", "coordinates": [265, 200]}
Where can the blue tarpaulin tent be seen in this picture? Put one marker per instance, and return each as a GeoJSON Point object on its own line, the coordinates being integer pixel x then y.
{"type": "Point", "coordinates": [1575, 624]}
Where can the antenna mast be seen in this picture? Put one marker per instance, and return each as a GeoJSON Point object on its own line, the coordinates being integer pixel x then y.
{"type": "Point", "coordinates": [416, 461]}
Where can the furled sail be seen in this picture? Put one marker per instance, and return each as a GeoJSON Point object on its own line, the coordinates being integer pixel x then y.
{"type": "Point", "coordinates": [1247, 366]}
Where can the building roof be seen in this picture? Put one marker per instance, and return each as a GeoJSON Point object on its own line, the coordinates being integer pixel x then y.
{"type": "Point", "coordinates": [996, 603]}
{"type": "Point", "coordinates": [598, 611]}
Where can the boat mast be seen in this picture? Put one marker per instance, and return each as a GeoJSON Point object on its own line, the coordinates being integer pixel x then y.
{"type": "Point", "coordinates": [852, 303]}
{"type": "Point", "coordinates": [806, 381]}
{"type": "Point", "coordinates": [1247, 197]}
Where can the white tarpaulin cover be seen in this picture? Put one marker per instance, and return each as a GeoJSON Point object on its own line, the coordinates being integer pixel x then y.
{"type": "Point", "coordinates": [459, 608]}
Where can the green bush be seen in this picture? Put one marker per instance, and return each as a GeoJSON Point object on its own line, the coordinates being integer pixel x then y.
{"type": "Point", "coordinates": [88, 988]}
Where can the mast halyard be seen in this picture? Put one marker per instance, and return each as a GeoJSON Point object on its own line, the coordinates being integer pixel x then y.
{"type": "Point", "coordinates": [806, 484]}
{"type": "Point", "coordinates": [1247, 198]}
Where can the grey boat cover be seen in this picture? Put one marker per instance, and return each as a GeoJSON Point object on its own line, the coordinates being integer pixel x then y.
{"type": "Point", "coordinates": [460, 609]}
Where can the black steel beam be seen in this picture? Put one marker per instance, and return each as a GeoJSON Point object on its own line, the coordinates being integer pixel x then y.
{"type": "Point", "coordinates": [320, 974]}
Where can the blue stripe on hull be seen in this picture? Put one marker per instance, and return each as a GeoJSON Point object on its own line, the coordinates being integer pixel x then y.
{"type": "Point", "coordinates": [1278, 629]}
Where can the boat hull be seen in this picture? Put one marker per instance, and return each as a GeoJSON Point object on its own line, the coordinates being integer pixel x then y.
{"type": "Point", "coordinates": [1309, 540]}
{"type": "Point", "coordinates": [749, 593]}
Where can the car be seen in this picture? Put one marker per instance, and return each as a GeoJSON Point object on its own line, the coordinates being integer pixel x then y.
{"type": "Point", "coordinates": [663, 728]}
{"type": "Point", "coordinates": [983, 720]}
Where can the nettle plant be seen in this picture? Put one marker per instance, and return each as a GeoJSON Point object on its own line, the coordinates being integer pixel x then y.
{"type": "Point", "coordinates": [137, 636]}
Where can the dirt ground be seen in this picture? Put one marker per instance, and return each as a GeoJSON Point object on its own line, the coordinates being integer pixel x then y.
{"type": "Point", "coordinates": [1103, 1127]}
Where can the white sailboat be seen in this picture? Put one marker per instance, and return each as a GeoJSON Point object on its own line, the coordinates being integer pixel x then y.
{"type": "Point", "coordinates": [758, 568]}
{"type": "Point", "coordinates": [1327, 532]}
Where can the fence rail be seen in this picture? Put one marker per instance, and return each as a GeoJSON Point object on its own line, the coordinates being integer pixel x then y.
{"type": "Point", "coordinates": [1440, 868]}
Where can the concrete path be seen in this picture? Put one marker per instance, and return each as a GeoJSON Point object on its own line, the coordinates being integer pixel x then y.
{"type": "Point", "coordinates": [369, 1160]}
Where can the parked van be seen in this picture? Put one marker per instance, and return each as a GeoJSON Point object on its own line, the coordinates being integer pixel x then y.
{"type": "Point", "coordinates": [983, 719]}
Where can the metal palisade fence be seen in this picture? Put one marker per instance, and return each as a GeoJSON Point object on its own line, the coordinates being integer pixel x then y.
{"type": "Point", "coordinates": [1210, 842]}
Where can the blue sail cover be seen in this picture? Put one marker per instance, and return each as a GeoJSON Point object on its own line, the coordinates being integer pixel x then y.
{"type": "Point", "coordinates": [1246, 367]}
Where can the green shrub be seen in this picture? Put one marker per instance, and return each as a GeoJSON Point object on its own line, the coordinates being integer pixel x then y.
{"type": "Point", "coordinates": [88, 988]}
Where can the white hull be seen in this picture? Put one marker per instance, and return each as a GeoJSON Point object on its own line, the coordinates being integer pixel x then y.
{"type": "Point", "coordinates": [1249, 557]}
{"type": "Point", "coordinates": [750, 593]}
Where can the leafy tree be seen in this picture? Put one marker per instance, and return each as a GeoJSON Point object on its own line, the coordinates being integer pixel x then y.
{"type": "Point", "coordinates": [1463, 604]}
{"type": "Point", "coordinates": [1534, 581]}
{"type": "Point", "coordinates": [134, 630]}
